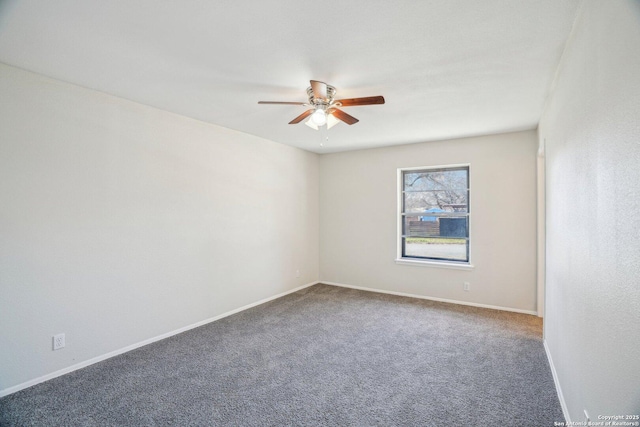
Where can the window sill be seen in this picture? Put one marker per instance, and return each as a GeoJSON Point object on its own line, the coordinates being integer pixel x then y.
{"type": "Point", "coordinates": [435, 264]}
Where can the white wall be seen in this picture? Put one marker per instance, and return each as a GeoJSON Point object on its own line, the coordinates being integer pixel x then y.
{"type": "Point", "coordinates": [120, 222]}
{"type": "Point", "coordinates": [592, 132]}
{"type": "Point", "coordinates": [358, 194]}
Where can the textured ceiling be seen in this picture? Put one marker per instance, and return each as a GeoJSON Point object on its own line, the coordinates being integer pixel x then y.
{"type": "Point", "coordinates": [447, 68]}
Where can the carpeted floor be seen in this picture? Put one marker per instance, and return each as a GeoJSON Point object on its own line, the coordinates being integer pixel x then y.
{"type": "Point", "coordinates": [323, 356]}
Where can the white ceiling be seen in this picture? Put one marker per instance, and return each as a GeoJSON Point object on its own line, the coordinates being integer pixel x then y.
{"type": "Point", "coordinates": [447, 68]}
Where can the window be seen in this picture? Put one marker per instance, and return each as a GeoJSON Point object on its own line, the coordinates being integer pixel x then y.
{"type": "Point", "coordinates": [434, 214]}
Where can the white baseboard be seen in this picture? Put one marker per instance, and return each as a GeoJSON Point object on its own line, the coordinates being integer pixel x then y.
{"type": "Point", "coordinates": [556, 381]}
{"type": "Point", "coordinates": [97, 359]}
{"type": "Point", "coordinates": [451, 301]}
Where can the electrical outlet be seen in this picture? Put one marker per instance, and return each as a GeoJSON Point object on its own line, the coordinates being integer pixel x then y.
{"type": "Point", "coordinates": [58, 341]}
{"type": "Point", "coordinates": [297, 273]}
{"type": "Point", "coordinates": [466, 286]}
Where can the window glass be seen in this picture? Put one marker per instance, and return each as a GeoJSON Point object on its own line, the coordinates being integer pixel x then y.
{"type": "Point", "coordinates": [435, 214]}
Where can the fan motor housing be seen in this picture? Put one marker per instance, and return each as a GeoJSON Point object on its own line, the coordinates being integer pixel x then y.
{"type": "Point", "coordinates": [331, 93]}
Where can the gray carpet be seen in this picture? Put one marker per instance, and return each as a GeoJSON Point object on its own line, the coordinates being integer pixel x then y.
{"type": "Point", "coordinates": [323, 356]}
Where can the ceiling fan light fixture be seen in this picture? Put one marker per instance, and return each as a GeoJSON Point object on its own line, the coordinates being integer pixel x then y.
{"type": "Point", "coordinates": [331, 121]}
{"type": "Point", "coordinates": [319, 117]}
{"type": "Point", "coordinates": [310, 123]}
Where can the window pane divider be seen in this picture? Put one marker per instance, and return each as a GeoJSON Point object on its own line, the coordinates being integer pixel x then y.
{"type": "Point", "coordinates": [430, 191]}
{"type": "Point", "coordinates": [438, 214]}
{"type": "Point", "coordinates": [406, 236]}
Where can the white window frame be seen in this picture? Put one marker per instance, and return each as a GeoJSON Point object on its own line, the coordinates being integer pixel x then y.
{"type": "Point", "coordinates": [458, 265]}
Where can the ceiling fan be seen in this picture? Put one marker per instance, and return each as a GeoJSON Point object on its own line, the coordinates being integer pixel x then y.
{"type": "Point", "coordinates": [324, 109]}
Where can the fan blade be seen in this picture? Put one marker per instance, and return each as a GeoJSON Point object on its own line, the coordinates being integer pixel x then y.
{"type": "Point", "coordinates": [277, 102]}
{"type": "Point", "coordinates": [319, 89]}
{"type": "Point", "coordinates": [350, 120]}
{"type": "Point", "coordinates": [301, 117]}
{"type": "Point", "coordinates": [370, 100]}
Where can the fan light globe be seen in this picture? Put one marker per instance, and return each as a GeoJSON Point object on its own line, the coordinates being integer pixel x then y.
{"type": "Point", "coordinates": [319, 117]}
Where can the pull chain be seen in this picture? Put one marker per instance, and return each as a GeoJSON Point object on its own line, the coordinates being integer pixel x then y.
{"type": "Point", "coordinates": [324, 135]}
